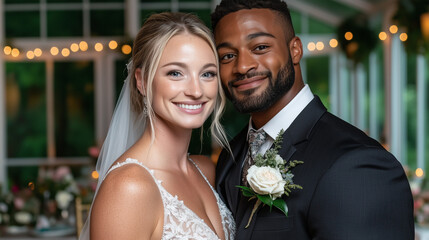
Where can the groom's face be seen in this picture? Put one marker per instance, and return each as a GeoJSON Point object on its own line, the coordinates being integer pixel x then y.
{"type": "Point", "coordinates": [255, 63]}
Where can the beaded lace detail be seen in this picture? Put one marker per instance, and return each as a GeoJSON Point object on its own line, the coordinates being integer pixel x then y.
{"type": "Point", "coordinates": [180, 222]}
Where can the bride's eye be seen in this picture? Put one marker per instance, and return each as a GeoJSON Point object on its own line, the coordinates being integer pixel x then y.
{"type": "Point", "coordinates": [174, 74]}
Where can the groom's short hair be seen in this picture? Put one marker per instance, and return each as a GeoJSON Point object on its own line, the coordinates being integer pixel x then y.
{"type": "Point", "coordinates": [229, 6]}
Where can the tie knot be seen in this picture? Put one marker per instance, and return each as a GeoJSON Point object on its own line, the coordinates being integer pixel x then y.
{"type": "Point", "coordinates": [256, 139]}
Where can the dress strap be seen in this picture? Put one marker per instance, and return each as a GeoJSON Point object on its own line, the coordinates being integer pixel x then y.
{"type": "Point", "coordinates": [202, 174]}
{"type": "Point", "coordinates": [132, 161]}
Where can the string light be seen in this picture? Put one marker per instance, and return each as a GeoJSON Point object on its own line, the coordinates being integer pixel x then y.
{"type": "Point", "coordinates": [38, 52]}
{"type": "Point", "coordinates": [320, 46]}
{"type": "Point", "coordinates": [393, 29]}
{"type": "Point", "coordinates": [95, 174]}
{"type": "Point", "coordinates": [15, 52]}
{"type": "Point", "coordinates": [113, 44]}
{"type": "Point", "coordinates": [311, 46]}
{"type": "Point", "coordinates": [126, 49]}
{"type": "Point", "coordinates": [65, 52]}
{"type": "Point", "coordinates": [54, 51]}
{"type": "Point", "coordinates": [30, 54]}
{"type": "Point", "coordinates": [7, 50]}
{"type": "Point", "coordinates": [333, 43]}
{"type": "Point", "coordinates": [83, 46]}
{"type": "Point", "coordinates": [403, 37]}
{"type": "Point", "coordinates": [74, 47]}
{"type": "Point", "coordinates": [31, 186]}
{"type": "Point", "coordinates": [419, 172]}
{"type": "Point", "coordinates": [348, 36]}
{"type": "Point", "coordinates": [98, 47]}
{"type": "Point", "coordinates": [382, 36]}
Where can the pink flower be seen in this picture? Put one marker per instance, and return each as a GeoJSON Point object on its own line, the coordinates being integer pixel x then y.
{"type": "Point", "coordinates": [18, 203]}
{"type": "Point", "coordinates": [61, 172]}
{"type": "Point", "coordinates": [94, 151]}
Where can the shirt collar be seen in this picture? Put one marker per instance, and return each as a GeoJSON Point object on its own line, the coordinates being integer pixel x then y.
{"type": "Point", "coordinates": [284, 118]}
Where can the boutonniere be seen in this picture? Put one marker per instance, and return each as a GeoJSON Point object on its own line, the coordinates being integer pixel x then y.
{"type": "Point", "coordinates": [270, 178]}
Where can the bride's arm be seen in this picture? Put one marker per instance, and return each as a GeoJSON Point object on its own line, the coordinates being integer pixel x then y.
{"type": "Point", "coordinates": [128, 206]}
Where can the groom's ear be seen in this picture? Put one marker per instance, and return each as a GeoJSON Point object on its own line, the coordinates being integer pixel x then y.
{"type": "Point", "coordinates": [139, 81]}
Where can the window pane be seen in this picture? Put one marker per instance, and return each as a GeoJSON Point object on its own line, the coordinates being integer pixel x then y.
{"type": "Point", "coordinates": [22, 24]}
{"type": "Point", "coordinates": [74, 108]}
{"type": "Point", "coordinates": [26, 109]}
{"type": "Point", "coordinates": [144, 14]}
{"type": "Point", "coordinates": [318, 77]}
{"type": "Point", "coordinates": [64, 23]}
{"type": "Point", "coordinates": [19, 177]}
{"type": "Point", "coordinates": [64, 1]}
{"type": "Point", "coordinates": [121, 75]}
{"type": "Point", "coordinates": [107, 23]}
{"type": "Point", "coordinates": [98, 1]}
{"type": "Point", "coordinates": [21, 1]}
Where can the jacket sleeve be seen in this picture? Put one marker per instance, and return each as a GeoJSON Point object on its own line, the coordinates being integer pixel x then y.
{"type": "Point", "coordinates": [364, 195]}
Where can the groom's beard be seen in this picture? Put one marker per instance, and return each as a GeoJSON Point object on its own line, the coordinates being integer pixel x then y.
{"type": "Point", "coordinates": [275, 90]}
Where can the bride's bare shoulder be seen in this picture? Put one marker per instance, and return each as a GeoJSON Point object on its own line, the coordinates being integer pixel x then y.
{"type": "Point", "coordinates": [127, 198]}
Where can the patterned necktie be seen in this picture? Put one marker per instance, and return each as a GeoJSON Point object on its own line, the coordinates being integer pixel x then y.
{"type": "Point", "coordinates": [255, 140]}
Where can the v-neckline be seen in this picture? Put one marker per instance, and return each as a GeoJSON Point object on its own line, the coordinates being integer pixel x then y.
{"type": "Point", "coordinates": [176, 198]}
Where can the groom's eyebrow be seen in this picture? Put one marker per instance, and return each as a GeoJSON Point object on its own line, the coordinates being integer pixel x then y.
{"type": "Point", "coordinates": [259, 34]}
{"type": "Point", "coordinates": [248, 38]}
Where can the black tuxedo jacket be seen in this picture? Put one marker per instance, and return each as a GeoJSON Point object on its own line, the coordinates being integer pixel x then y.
{"type": "Point", "coordinates": [352, 187]}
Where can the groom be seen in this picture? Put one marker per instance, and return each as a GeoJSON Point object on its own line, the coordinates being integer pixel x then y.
{"type": "Point", "coordinates": [352, 187]}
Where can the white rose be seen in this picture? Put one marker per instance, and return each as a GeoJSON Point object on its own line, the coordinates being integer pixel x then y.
{"type": "Point", "coordinates": [23, 217]}
{"type": "Point", "coordinates": [63, 199]}
{"type": "Point", "coordinates": [266, 180]}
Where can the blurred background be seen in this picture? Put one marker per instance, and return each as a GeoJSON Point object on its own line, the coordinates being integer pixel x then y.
{"type": "Point", "coordinates": [62, 66]}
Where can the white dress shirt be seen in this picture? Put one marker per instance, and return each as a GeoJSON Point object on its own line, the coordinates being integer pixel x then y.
{"type": "Point", "coordinates": [284, 118]}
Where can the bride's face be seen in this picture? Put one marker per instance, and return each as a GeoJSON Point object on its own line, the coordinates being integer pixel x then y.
{"type": "Point", "coordinates": [185, 85]}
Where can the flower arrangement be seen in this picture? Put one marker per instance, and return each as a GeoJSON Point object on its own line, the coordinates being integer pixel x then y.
{"type": "Point", "coordinates": [270, 178]}
{"type": "Point", "coordinates": [18, 208]}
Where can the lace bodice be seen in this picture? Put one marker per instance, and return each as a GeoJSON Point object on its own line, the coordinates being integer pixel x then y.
{"type": "Point", "coordinates": [180, 222]}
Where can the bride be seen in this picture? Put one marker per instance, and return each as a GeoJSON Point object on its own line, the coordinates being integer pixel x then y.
{"type": "Point", "coordinates": [149, 187]}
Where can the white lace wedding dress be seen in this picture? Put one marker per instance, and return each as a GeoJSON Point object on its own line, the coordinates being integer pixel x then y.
{"type": "Point", "coordinates": [180, 222]}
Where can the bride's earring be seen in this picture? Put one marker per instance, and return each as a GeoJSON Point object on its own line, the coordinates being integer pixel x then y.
{"type": "Point", "coordinates": [145, 112]}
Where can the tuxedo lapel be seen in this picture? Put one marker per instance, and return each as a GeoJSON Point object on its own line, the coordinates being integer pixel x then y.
{"type": "Point", "coordinates": [299, 131]}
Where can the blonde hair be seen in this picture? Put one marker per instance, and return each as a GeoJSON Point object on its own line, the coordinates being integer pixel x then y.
{"type": "Point", "coordinates": [148, 47]}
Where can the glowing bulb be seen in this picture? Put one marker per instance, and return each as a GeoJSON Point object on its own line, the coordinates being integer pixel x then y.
{"type": "Point", "coordinates": [311, 46]}
{"type": "Point", "coordinates": [30, 54]}
{"type": "Point", "coordinates": [7, 50]}
{"type": "Point", "coordinates": [98, 47]}
{"type": "Point", "coordinates": [54, 51]}
{"type": "Point", "coordinates": [83, 46]}
{"type": "Point", "coordinates": [403, 37]}
{"type": "Point", "coordinates": [126, 49]}
{"type": "Point", "coordinates": [15, 52]}
{"type": "Point", "coordinates": [382, 36]}
{"type": "Point", "coordinates": [65, 52]}
{"type": "Point", "coordinates": [333, 43]}
{"type": "Point", "coordinates": [74, 47]}
{"type": "Point", "coordinates": [94, 174]}
{"type": "Point", "coordinates": [348, 36]}
{"type": "Point", "coordinates": [320, 46]}
{"type": "Point", "coordinates": [31, 185]}
{"type": "Point", "coordinates": [113, 44]}
{"type": "Point", "coordinates": [37, 52]}
{"type": "Point", "coordinates": [393, 29]}
{"type": "Point", "coordinates": [419, 172]}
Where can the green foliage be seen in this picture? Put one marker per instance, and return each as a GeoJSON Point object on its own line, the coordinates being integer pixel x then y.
{"type": "Point", "coordinates": [408, 16]}
{"type": "Point", "coordinates": [363, 42]}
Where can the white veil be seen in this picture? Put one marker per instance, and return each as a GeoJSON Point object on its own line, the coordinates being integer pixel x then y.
{"type": "Point", "coordinates": [126, 127]}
